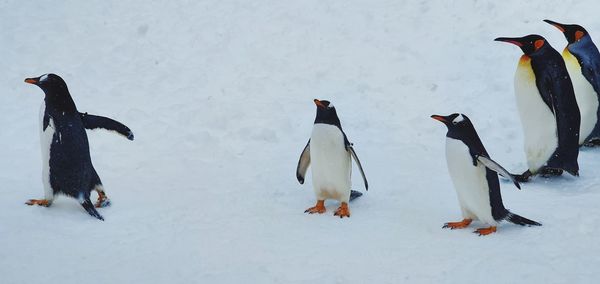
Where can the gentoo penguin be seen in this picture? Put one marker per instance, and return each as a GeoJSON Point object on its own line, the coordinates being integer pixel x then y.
{"type": "Point", "coordinates": [583, 62]}
{"type": "Point", "coordinates": [548, 109]}
{"type": "Point", "coordinates": [67, 166]}
{"type": "Point", "coordinates": [330, 152]}
{"type": "Point", "coordinates": [475, 177]}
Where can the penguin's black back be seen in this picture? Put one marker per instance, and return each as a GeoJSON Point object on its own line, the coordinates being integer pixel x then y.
{"type": "Point", "coordinates": [588, 56]}
{"type": "Point", "coordinates": [555, 87]}
{"type": "Point", "coordinates": [71, 169]}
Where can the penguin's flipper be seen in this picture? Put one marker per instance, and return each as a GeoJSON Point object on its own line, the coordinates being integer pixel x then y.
{"type": "Point", "coordinates": [303, 163]}
{"type": "Point", "coordinates": [592, 74]}
{"type": "Point", "coordinates": [94, 121]}
{"type": "Point", "coordinates": [545, 87]}
{"type": "Point", "coordinates": [355, 157]}
{"type": "Point", "coordinates": [492, 165]}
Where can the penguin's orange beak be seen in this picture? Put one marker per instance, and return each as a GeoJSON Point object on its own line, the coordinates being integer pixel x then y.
{"type": "Point", "coordinates": [512, 40]}
{"type": "Point", "coordinates": [320, 104]}
{"type": "Point", "coordinates": [32, 81]}
{"type": "Point", "coordinates": [559, 26]}
{"type": "Point", "coordinates": [440, 118]}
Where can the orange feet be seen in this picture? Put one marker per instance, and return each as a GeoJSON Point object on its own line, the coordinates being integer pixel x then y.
{"type": "Point", "coordinates": [40, 202]}
{"type": "Point", "coordinates": [343, 211]}
{"type": "Point", "coordinates": [458, 225]}
{"type": "Point", "coordinates": [485, 231]}
{"type": "Point", "coordinates": [319, 208]}
{"type": "Point", "coordinates": [102, 200]}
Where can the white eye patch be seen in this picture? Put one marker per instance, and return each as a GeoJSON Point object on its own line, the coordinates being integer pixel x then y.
{"type": "Point", "coordinates": [44, 78]}
{"type": "Point", "coordinates": [458, 119]}
{"type": "Point", "coordinates": [330, 105]}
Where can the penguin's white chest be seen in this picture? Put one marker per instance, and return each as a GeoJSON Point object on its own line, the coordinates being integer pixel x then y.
{"type": "Point", "coordinates": [46, 136]}
{"type": "Point", "coordinates": [330, 163]}
{"type": "Point", "coordinates": [587, 100]}
{"type": "Point", "coordinates": [469, 181]}
{"type": "Point", "coordinates": [539, 124]}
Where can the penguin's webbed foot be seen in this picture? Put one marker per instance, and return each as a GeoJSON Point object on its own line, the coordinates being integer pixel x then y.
{"type": "Point", "coordinates": [342, 211]}
{"type": "Point", "coordinates": [458, 225]}
{"type": "Point", "coordinates": [485, 231]}
{"type": "Point", "coordinates": [40, 202]}
{"type": "Point", "coordinates": [592, 143]}
{"type": "Point", "coordinates": [524, 177]}
{"type": "Point", "coordinates": [550, 172]}
{"type": "Point", "coordinates": [319, 208]}
{"type": "Point", "coordinates": [102, 201]}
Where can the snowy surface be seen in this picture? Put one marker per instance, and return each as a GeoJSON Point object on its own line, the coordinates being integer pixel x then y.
{"type": "Point", "coordinates": [219, 95]}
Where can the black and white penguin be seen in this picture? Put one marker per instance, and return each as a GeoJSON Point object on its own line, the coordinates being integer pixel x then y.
{"type": "Point", "coordinates": [583, 62]}
{"type": "Point", "coordinates": [547, 107]}
{"type": "Point", "coordinates": [475, 177]}
{"type": "Point", "coordinates": [329, 152]}
{"type": "Point", "coordinates": [66, 164]}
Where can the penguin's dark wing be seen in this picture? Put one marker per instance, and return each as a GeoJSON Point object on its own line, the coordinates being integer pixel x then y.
{"type": "Point", "coordinates": [588, 57]}
{"type": "Point", "coordinates": [592, 74]}
{"type": "Point", "coordinates": [350, 149]}
{"type": "Point", "coordinates": [499, 212]}
{"type": "Point", "coordinates": [303, 163]}
{"type": "Point", "coordinates": [95, 121]}
{"type": "Point", "coordinates": [46, 121]}
{"type": "Point", "coordinates": [362, 172]}
{"type": "Point", "coordinates": [492, 165]}
{"type": "Point", "coordinates": [545, 85]}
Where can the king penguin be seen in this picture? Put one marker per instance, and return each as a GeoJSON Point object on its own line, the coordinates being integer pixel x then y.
{"type": "Point", "coordinates": [330, 153]}
{"type": "Point", "coordinates": [66, 164]}
{"type": "Point", "coordinates": [475, 177]}
{"type": "Point", "coordinates": [547, 107]}
{"type": "Point", "coordinates": [583, 62]}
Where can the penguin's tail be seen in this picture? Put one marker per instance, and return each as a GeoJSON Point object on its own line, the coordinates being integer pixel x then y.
{"type": "Point", "coordinates": [354, 194]}
{"type": "Point", "coordinates": [519, 220]}
{"type": "Point", "coordinates": [89, 207]}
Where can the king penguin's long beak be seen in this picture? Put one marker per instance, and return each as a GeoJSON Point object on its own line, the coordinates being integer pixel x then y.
{"type": "Point", "coordinates": [514, 40]}
{"type": "Point", "coordinates": [559, 26]}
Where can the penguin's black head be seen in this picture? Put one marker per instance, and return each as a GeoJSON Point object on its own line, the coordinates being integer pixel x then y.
{"type": "Point", "coordinates": [459, 125]}
{"type": "Point", "coordinates": [529, 44]}
{"type": "Point", "coordinates": [56, 91]}
{"type": "Point", "coordinates": [49, 83]}
{"type": "Point", "coordinates": [326, 113]}
{"type": "Point", "coordinates": [573, 33]}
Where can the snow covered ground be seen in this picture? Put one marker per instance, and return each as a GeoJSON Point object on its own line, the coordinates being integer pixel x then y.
{"type": "Point", "coordinates": [219, 95]}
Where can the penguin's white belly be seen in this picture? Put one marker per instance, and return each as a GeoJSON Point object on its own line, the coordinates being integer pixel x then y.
{"type": "Point", "coordinates": [469, 181]}
{"type": "Point", "coordinates": [587, 99]}
{"type": "Point", "coordinates": [46, 137]}
{"type": "Point", "coordinates": [330, 163]}
{"type": "Point", "coordinates": [539, 124]}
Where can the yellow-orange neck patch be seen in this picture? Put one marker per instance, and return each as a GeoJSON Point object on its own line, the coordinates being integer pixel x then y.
{"type": "Point", "coordinates": [579, 35]}
{"type": "Point", "coordinates": [524, 59]}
